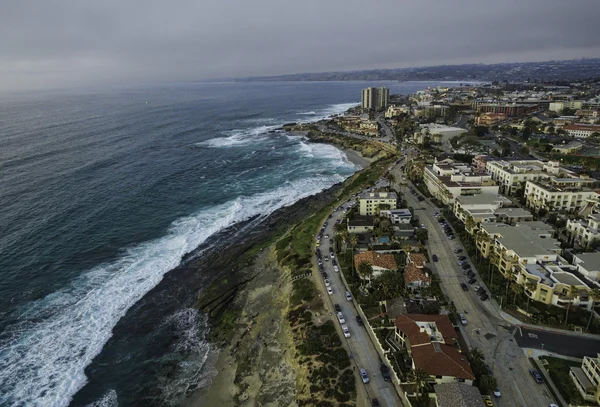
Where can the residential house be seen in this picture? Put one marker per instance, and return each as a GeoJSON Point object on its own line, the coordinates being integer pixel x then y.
{"type": "Point", "coordinates": [569, 148]}
{"type": "Point", "coordinates": [489, 119]}
{"type": "Point", "coordinates": [360, 224]}
{"type": "Point", "coordinates": [447, 180]}
{"type": "Point", "coordinates": [588, 265]}
{"type": "Point", "coordinates": [415, 273]}
{"type": "Point", "coordinates": [457, 395]}
{"type": "Point", "coordinates": [512, 175]}
{"type": "Point", "coordinates": [584, 232]}
{"type": "Point", "coordinates": [397, 216]}
{"type": "Point", "coordinates": [370, 203]}
{"type": "Point", "coordinates": [431, 343]}
{"type": "Point", "coordinates": [379, 261]}
{"type": "Point", "coordinates": [587, 378]}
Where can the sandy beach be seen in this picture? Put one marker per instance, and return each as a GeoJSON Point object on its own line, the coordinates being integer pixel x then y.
{"type": "Point", "coordinates": [356, 158]}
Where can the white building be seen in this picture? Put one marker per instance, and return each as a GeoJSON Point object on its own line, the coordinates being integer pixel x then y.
{"type": "Point", "coordinates": [370, 202]}
{"type": "Point", "coordinates": [447, 180]}
{"type": "Point", "coordinates": [397, 216]}
{"type": "Point", "coordinates": [375, 98]}
{"type": "Point", "coordinates": [440, 133]}
{"type": "Point", "coordinates": [578, 130]}
{"type": "Point", "coordinates": [587, 378]}
{"type": "Point", "coordinates": [584, 231]}
{"type": "Point", "coordinates": [395, 111]}
{"type": "Point", "coordinates": [588, 264]}
{"type": "Point", "coordinates": [569, 104]}
{"type": "Point", "coordinates": [561, 194]}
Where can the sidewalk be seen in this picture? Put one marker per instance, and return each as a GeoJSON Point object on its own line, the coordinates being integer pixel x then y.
{"type": "Point", "coordinates": [515, 321]}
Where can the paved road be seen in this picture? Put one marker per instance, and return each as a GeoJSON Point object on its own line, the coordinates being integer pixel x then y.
{"type": "Point", "coordinates": [563, 344]}
{"type": "Point", "coordinates": [359, 344]}
{"type": "Point", "coordinates": [486, 330]}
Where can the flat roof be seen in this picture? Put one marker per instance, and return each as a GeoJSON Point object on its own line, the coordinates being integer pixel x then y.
{"type": "Point", "coordinates": [377, 195]}
{"type": "Point", "coordinates": [523, 240]}
{"type": "Point", "coordinates": [482, 199]}
{"type": "Point", "coordinates": [589, 261]}
{"type": "Point", "coordinates": [567, 278]}
{"type": "Point", "coordinates": [361, 220]}
{"type": "Point", "coordinates": [514, 212]}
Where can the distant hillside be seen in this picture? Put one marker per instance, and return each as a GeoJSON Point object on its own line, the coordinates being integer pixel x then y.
{"type": "Point", "coordinates": [540, 71]}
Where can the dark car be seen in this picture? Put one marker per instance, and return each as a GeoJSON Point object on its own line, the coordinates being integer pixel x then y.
{"type": "Point", "coordinates": [470, 274]}
{"type": "Point", "coordinates": [359, 320]}
{"type": "Point", "coordinates": [385, 372]}
{"type": "Point", "coordinates": [434, 257]}
{"type": "Point", "coordinates": [337, 307]}
{"type": "Point", "coordinates": [472, 281]}
{"type": "Point", "coordinates": [484, 297]}
{"type": "Point", "coordinates": [536, 376]}
{"type": "Point", "coordinates": [421, 198]}
{"type": "Point", "coordinates": [324, 274]}
{"type": "Point", "coordinates": [457, 250]}
{"type": "Point", "coordinates": [461, 258]}
{"type": "Point", "coordinates": [464, 287]}
{"type": "Point", "coordinates": [466, 266]}
{"type": "Point", "coordinates": [480, 291]}
{"type": "Point", "coordinates": [375, 403]}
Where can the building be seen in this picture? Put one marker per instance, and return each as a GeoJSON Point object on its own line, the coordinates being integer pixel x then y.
{"type": "Point", "coordinates": [489, 119]}
{"type": "Point", "coordinates": [379, 261]}
{"type": "Point", "coordinates": [560, 194]}
{"type": "Point", "coordinates": [558, 107]}
{"type": "Point", "coordinates": [397, 216]}
{"type": "Point", "coordinates": [375, 98]}
{"type": "Point", "coordinates": [512, 216]}
{"type": "Point", "coordinates": [479, 162]}
{"type": "Point", "coordinates": [588, 265]}
{"type": "Point", "coordinates": [587, 378]}
{"type": "Point", "coordinates": [370, 203]}
{"type": "Point", "coordinates": [510, 110]}
{"type": "Point", "coordinates": [588, 113]}
{"type": "Point", "coordinates": [527, 254]}
{"type": "Point", "coordinates": [578, 130]}
{"type": "Point", "coordinates": [430, 111]}
{"type": "Point", "coordinates": [439, 133]}
{"type": "Point", "coordinates": [395, 111]}
{"type": "Point", "coordinates": [415, 273]}
{"type": "Point", "coordinates": [431, 343]}
{"type": "Point", "coordinates": [358, 124]}
{"type": "Point", "coordinates": [479, 208]}
{"type": "Point", "coordinates": [457, 395]}
{"type": "Point", "coordinates": [512, 175]}
{"type": "Point", "coordinates": [446, 180]}
{"type": "Point", "coordinates": [360, 224]}
{"type": "Point", "coordinates": [583, 232]}
{"type": "Point", "coordinates": [569, 148]}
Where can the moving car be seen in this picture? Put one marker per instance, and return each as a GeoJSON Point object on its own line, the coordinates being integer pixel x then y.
{"type": "Point", "coordinates": [348, 296]}
{"type": "Point", "coordinates": [340, 317]}
{"type": "Point", "coordinates": [364, 375]}
{"type": "Point", "coordinates": [463, 319]}
{"type": "Point", "coordinates": [329, 290]}
{"type": "Point", "coordinates": [346, 331]}
{"type": "Point", "coordinates": [536, 376]}
{"type": "Point", "coordinates": [434, 257]}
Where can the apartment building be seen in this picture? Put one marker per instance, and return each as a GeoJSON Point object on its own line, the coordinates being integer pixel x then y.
{"type": "Point", "coordinates": [370, 203]}
{"type": "Point", "coordinates": [431, 343]}
{"type": "Point", "coordinates": [361, 224]}
{"type": "Point", "coordinates": [579, 130]}
{"type": "Point", "coordinates": [528, 253]}
{"type": "Point", "coordinates": [583, 232]}
{"type": "Point", "coordinates": [587, 378]}
{"type": "Point", "coordinates": [397, 216]}
{"type": "Point", "coordinates": [569, 104]}
{"type": "Point", "coordinates": [512, 175]}
{"type": "Point", "coordinates": [569, 194]}
{"type": "Point", "coordinates": [375, 98]}
{"type": "Point", "coordinates": [440, 133]}
{"type": "Point", "coordinates": [446, 180]}
{"type": "Point", "coordinates": [588, 265]}
{"type": "Point", "coordinates": [568, 148]}
{"type": "Point", "coordinates": [508, 109]}
{"type": "Point", "coordinates": [395, 111]}
{"type": "Point", "coordinates": [489, 119]}
{"type": "Point", "coordinates": [480, 208]}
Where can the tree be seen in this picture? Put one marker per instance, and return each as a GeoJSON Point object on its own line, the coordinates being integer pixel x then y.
{"type": "Point", "coordinates": [530, 286]}
{"type": "Point", "coordinates": [476, 355]}
{"type": "Point", "coordinates": [391, 178]}
{"type": "Point", "coordinates": [353, 239]}
{"type": "Point", "coordinates": [365, 270]}
{"type": "Point", "coordinates": [487, 384]}
{"type": "Point", "coordinates": [594, 296]}
{"type": "Point", "coordinates": [422, 235]}
{"type": "Point", "coordinates": [571, 294]}
{"type": "Point", "coordinates": [420, 378]}
{"type": "Point", "coordinates": [510, 275]}
{"type": "Point", "coordinates": [517, 289]}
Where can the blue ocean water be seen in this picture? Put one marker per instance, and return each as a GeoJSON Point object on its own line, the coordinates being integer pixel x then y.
{"type": "Point", "coordinates": [101, 194]}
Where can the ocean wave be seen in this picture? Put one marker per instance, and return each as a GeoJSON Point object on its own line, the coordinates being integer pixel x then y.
{"type": "Point", "coordinates": [325, 152]}
{"type": "Point", "coordinates": [330, 111]}
{"type": "Point", "coordinates": [312, 112]}
{"type": "Point", "coordinates": [239, 137]}
{"type": "Point", "coordinates": [43, 358]}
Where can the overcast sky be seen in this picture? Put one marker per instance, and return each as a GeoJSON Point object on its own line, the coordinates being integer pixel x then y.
{"type": "Point", "coordinates": [56, 43]}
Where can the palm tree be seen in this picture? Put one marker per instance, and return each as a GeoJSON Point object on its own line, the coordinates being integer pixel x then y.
{"type": "Point", "coordinates": [419, 377]}
{"type": "Point", "coordinates": [353, 239]}
{"type": "Point", "coordinates": [510, 275]}
{"type": "Point", "coordinates": [365, 270]}
{"type": "Point", "coordinates": [476, 355]}
{"type": "Point", "coordinates": [517, 289]}
{"type": "Point", "coordinates": [470, 224]}
{"type": "Point", "coordinates": [571, 294]}
{"type": "Point", "coordinates": [530, 286]}
{"type": "Point", "coordinates": [391, 178]}
{"type": "Point", "coordinates": [494, 259]}
{"type": "Point", "coordinates": [594, 295]}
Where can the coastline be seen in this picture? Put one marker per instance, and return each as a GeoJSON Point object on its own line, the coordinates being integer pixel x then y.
{"type": "Point", "coordinates": [356, 158]}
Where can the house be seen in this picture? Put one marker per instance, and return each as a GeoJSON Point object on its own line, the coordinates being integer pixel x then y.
{"type": "Point", "coordinates": [379, 261]}
{"type": "Point", "coordinates": [588, 264]}
{"type": "Point", "coordinates": [569, 148]}
{"type": "Point", "coordinates": [371, 202]}
{"type": "Point", "coordinates": [431, 343]}
{"type": "Point", "coordinates": [415, 273]}
{"type": "Point", "coordinates": [360, 224]}
{"type": "Point", "coordinates": [489, 119]}
{"type": "Point", "coordinates": [587, 378]}
{"type": "Point", "coordinates": [584, 232]}
{"type": "Point", "coordinates": [457, 395]}
{"type": "Point", "coordinates": [397, 216]}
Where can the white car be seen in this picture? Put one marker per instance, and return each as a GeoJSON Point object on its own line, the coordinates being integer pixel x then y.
{"type": "Point", "coordinates": [497, 392]}
{"type": "Point", "coordinates": [327, 282]}
{"type": "Point", "coordinates": [463, 319]}
{"type": "Point", "coordinates": [348, 296]}
{"type": "Point", "coordinates": [364, 376]}
{"type": "Point", "coordinates": [341, 317]}
{"type": "Point", "coordinates": [336, 269]}
{"type": "Point", "coordinates": [329, 290]}
{"type": "Point", "coordinates": [476, 287]}
{"type": "Point", "coordinates": [346, 331]}
{"type": "Point", "coordinates": [332, 255]}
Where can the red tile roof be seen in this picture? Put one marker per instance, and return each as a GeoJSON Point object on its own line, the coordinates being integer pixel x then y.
{"type": "Point", "coordinates": [382, 260]}
{"type": "Point", "coordinates": [441, 359]}
{"type": "Point", "coordinates": [413, 274]}
{"type": "Point", "coordinates": [417, 259]}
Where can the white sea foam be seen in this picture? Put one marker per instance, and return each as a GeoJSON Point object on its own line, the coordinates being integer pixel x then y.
{"type": "Point", "coordinates": [239, 137]}
{"type": "Point", "coordinates": [325, 152]}
{"type": "Point", "coordinates": [43, 363]}
{"type": "Point", "coordinates": [109, 399]}
{"type": "Point", "coordinates": [312, 113]}
{"type": "Point", "coordinates": [330, 111]}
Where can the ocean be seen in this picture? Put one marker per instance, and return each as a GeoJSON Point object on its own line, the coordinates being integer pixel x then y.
{"type": "Point", "coordinates": [102, 193]}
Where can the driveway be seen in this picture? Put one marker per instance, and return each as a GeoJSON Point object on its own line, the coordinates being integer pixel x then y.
{"type": "Point", "coordinates": [485, 330]}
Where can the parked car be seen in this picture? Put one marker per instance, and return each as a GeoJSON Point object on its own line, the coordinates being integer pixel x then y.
{"type": "Point", "coordinates": [364, 375]}
{"type": "Point", "coordinates": [329, 290]}
{"type": "Point", "coordinates": [476, 287]}
{"type": "Point", "coordinates": [340, 317]}
{"type": "Point", "coordinates": [385, 372]}
{"type": "Point", "coordinates": [488, 401]}
{"type": "Point", "coordinates": [457, 250]}
{"type": "Point", "coordinates": [336, 268]}
{"type": "Point", "coordinates": [484, 297]}
{"type": "Point", "coordinates": [462, 257]}
{"type": "Point", "coordinates": [346, 331]}
{"type": "Point", "coordinates": [325, 275]}
{"type": "Point", "coordinates": [536, 376]}
{"type": "Point", "coordinates": [348, 296]}
{"type": "Point", "coordinates": [451, 237]}
{"type": "Point", "coordinates": [375, 403]}
{"type": "Point", "coordinates": [480, 291]}
{"type": "Point", "coordinates": [359, 320]}
{"type": "Point", "coordinates": [337, 307]}
{"type": "Point", "coordinates": [489, 370]}
{"type": "Point", "coordinates": [434, 257]}
{"type": "Point", "coordinates": [463, 319]}
{"type": "Point", "coordinates": [467, 272]}
{"type": "Point", "coordinates": [332, 255]}
{"type": "Point", "coordinates": [327, 282]}
{"type": "Point", "coordinates": [497, 392]}
{"type": "Point", "coordinates": [466, 266]}
{"type": "Point", "coordinates": [472, 281]}
{"type": "Point", "coordinates": [464, 287]}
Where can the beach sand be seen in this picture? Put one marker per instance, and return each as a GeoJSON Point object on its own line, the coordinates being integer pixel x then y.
{"type": "Point", "coordinates": [356, 158]}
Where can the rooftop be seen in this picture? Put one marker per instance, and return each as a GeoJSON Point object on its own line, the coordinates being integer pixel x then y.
{"type": "Point", "coordinates": [377, 195]}
{"type": "Point", "coordinates": [400, 212]}
{"type": "Point", "coordinates": [482, 199]}
{"type": "Point", "coordinates": [514, 212]}
{"type": "Point", "coordinates": [360, 220]}
{"type": "Point", "coordinates": [375, 259]}
{"type": "Point", "coordinates": [524, 240]}
{"type": "Point", "coordinates": [588, 261]}
{"type": "Point", "coordinates": [413, 274]}
{"type": "Point", "coordinates": [457, 395]}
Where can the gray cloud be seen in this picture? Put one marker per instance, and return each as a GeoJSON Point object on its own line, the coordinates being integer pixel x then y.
{"type": "Point", "coordinates": [71, 42]}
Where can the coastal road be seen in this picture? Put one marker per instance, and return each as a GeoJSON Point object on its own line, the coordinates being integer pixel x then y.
{"type": "Point", "coordinates": [485, 330]}
{"type": "Point", "coordinates": [359, 344]}
{"type": "Point", "coordinates": [572, 344]}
